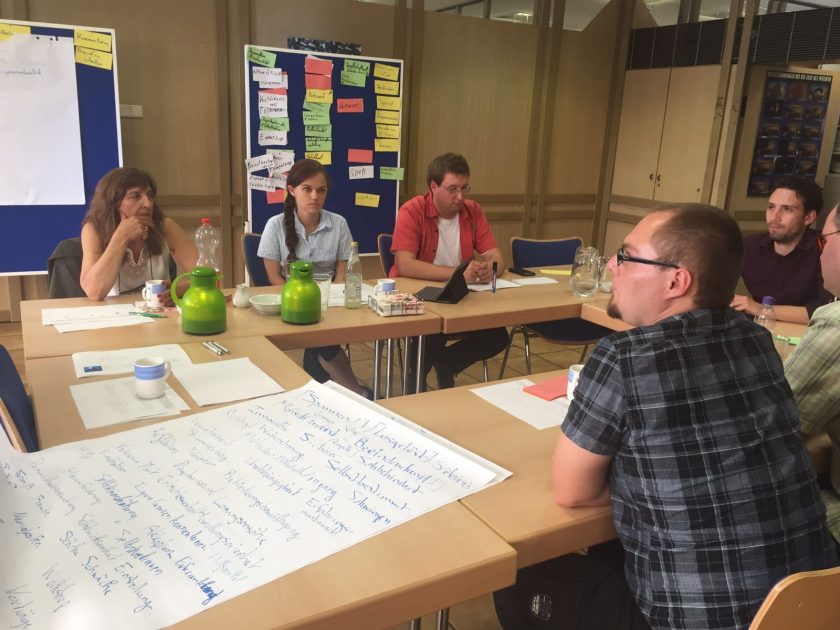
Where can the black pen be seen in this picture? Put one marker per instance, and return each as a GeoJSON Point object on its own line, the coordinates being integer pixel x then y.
{"type": "Point", "coordinates": [495, 270]}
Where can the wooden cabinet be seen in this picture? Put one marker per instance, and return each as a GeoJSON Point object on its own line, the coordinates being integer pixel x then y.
{"type": "Point", "coordinates": [664, 133]}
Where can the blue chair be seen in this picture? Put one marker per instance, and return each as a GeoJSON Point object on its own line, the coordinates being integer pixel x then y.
{"type": "Point", "coordinates": [575, 331]}
{"type": "Point", "coordinates": [386, 258]}
{"type": "Point", "coordinates": [253, 263]}
{"type": "Point", "coordinates": [15, 401]}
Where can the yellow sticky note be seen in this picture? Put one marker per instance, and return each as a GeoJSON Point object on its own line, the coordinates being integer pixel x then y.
{"type": "Point", "coordinates": [388, 131]}
{"type": "Point", "coordinates": [384, 71]}
{"type": "Point", "coordinates": [324, 157]}
{"type": "Point", "coordinates": [7, 30]}
{"type": "Point", "coordinates": [96, 41]}
{"type": "Point", "coordinates": [386, 144]}
{"type": "Point", "coordinates": [386, 87]}
{"type": "Point", "coordinates": [95, 58]}
{"type": "Point", "coordinates": [367, 200]}
{"type": "Point", "coordinates": [319, 96]}
{"type": "Point", "coordinates": [384, 117]}
{"type": "Point", "coordinates": [388, 102]}
{"type": "Point", "coordinates": [556, 272]}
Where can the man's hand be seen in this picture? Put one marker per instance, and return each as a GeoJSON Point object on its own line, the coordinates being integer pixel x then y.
{"type": "Point", "coordinates": [745, 305]}
{"type": "Point", "coordinates": [478, 271]}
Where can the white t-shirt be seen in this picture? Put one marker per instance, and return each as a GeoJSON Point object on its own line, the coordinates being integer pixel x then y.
{"type": "Point", "coordinates": [449, 242]}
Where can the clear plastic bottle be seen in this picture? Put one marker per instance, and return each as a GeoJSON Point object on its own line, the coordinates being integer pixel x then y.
{"type": "Point", "coordinates": [207, 242]}
{"type": "Point", "coordinates": [766, 315]}
{"type": "Point", "coordinates": [353, 279]}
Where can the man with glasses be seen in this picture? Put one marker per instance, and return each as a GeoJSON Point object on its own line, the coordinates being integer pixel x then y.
{"type": "Point", "coordinates": [784, 262]}
{"type": "Point", "coordinates": [687, 427]}
{"type": "Point", "coordinates": [433, 235]}
{"type": "Point", "coordinates": [813, 370]}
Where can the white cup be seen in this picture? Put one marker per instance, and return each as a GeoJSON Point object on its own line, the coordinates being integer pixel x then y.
{"type": "Point", "coordinates": [323, 280]}
{"type": "Point", "coordinates": [152, 293]}
{"type": "Point", "coordinates": [150, 377]}
{"type": "Point", "coordinates": [388, 285]}
{"type": "Point", "coordinates": [574, 373]}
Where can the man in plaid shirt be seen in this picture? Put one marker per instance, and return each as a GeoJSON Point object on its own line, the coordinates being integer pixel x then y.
{"type": "Point", "coordinates": [687, 426]}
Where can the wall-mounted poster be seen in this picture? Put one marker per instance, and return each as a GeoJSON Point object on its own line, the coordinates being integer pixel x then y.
{"type": "Point", "coordinates": [790, 128]}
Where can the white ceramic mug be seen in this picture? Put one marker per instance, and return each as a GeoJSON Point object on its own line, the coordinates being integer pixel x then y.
{"type": "Point", "coordinates": [574, 373]}
{"type": "Point", "coordinates": [152, 293]}
{"type": "Point", "coordinates": [150, 377]}
{"type": "Point", "coordinates": [388, 285]}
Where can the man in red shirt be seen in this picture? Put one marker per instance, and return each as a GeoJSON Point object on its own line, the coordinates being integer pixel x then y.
{"type": "Point", "coordinates": [434, 234]}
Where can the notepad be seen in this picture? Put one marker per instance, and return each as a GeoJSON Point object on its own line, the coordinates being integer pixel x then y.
{"type": "Point", "coordinates": [550, 389]}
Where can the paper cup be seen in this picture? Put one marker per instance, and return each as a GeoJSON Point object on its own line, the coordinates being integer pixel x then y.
{"type": "Point", "coordinates": [574, 373]}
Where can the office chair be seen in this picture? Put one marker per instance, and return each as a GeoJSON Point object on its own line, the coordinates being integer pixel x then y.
{"type": "Point", "coordinates": [574, 331]}
{"type": "Point", "coordinates": [64, 268]}
{"type": "Point", "coordinates": [386, 258]}
{"type": "Point", "coordinates": [802, 600]}
{"type": "Point", "coordinates": [16, 406]}
{"type": "Point", "coordinates": [253, 263]}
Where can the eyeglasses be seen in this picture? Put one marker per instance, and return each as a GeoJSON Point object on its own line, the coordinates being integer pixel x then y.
{"type": "Point", "coordinates": [454, 190]}
{"type": "Point", "coordinates": [621, 257]}
{"type": "Point", "coordinates": [821, 239]}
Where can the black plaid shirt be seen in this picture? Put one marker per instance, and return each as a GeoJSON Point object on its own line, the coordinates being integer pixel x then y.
{"type": "Point", "coordinates": [713, 494]}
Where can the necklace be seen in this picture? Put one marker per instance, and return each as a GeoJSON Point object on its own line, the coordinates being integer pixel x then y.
{"type": "Point", "coordinates": [141, 259]}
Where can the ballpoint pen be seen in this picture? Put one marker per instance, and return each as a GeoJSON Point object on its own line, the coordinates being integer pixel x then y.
{"type": "Point", "coordinates": [212, 348]}
{"type": "Point", "coordinates": [495, 270]}
{"type": "Point", "coordinates": [220, 347]}
{"type": "Point", "coordinates": [155, 315]}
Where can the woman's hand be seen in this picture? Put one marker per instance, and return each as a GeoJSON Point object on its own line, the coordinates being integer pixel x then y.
{"type": "Point", "coordinates": [134, 228]}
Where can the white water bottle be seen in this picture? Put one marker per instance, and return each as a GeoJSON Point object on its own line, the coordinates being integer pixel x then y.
{"type": "Point", "coordinates": [766, 315]}
{"type": "Point", "coordinates": [206, 242]}
{"type": "Point", "coordinates": [353, 279]}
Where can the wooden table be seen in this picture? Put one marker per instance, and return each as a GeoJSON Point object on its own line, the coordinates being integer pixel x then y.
{"type": "Point", "coordinates": [431, 562]}
{"type": "Point", "coordinates": [521, 509]}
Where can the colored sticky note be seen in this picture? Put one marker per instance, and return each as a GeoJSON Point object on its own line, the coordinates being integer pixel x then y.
{"type": "Point", "coordinates": [316, 118]}
{"type": "Point", "coordinates": [350, 105]}
{"type": "Point", "coordinates": [324, 157]}
{"type": "Point", "coordinates": [320, 131]}
{"type": "Point", "coordinates": [7, 30]}
{"type": "Point", "coordinates": [387, 102]}
{"type": "Point", "coordinates": [359, 67]}
{"type": "Point", "coordinates": [353, 79]}
{"type": "Point", "coordinates": [276, 196]}
{"type": "Point", "coordinates": [384, 71]}
{"type": "Point", "coordinates": [386, 87]}
{"type": "Point", "coordinates": [367, 200]}
{"type": "Point", "coordinates": [360, 155]}
{"type": "Point", "coordinates": [391, 172]}
{"type": "Point", "coordinates": [388, 131]}
{"type": "Point", "coordinates": [261, 57]}
{"type": "Point", "coordinates": [384, 117]}
{"type": "Point", "coordinates": [318, 144]}
{"type": "Point", "coordinates": [316, 107]}
{"type": "Point", "coordinates": [386, 144]}
{"type": "Point", "coordinates": [95, 58]}
{"type": "Point", "coordinates": [550, 389]}
{"type": "Point", "coordinates": [274, 124]}
{"type": "Point", "coordinates": [360, 172]}
{"type": "Point", "coordinates": [275, 90]}
{"type": "Point", "coordinates": [319, 96]}
{"type": "Point", "coordinates": [314, 65]}
{"type": "Point", "coordinates": [89, 39]}
{"type": "Point", "coordinates": [267, 137]}
{"type": "Point", "coordinates": [318, 82]}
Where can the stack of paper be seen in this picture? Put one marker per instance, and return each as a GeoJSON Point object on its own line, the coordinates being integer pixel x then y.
{"type": "Point", "coordinates": [91, 317]}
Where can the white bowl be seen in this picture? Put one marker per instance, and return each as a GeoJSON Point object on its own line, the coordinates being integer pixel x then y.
{"type": "Point", "coordinates": [269, 303]}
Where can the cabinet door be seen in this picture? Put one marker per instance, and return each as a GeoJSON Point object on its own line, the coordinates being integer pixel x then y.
{"type": "Point", "coordinates": [639, 132]}
{"type": "Point", "coordinates": [686, 133]}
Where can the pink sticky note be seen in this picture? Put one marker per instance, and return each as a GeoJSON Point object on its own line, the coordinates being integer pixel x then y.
{"type": "Point", "coordinates": [360, 155]}
{"type": "Point", "coordinates": [318, 82]}
{"type": "Point", "coordinates": [278, 196]}
{"type": "Point", "coordinates": [350, 105]}
{"type": "Point", "coordinates": [550, 389]}
{"type": "Point", "coordinates": [273, 91]}
{"type": "Point", "coordinates": [318, 66]}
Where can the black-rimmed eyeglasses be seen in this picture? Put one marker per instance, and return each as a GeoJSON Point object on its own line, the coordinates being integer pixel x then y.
{"type": "Point", "coordinates": [822, 241]}
{"type": "Point", "coordinates": [621, 257]}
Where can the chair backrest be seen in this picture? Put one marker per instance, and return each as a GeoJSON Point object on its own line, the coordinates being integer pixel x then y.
{"type": "Point", "coordinates": [386, 258]}
{"type": "Point", "coordinates": [802, 600]}
{"type": "Point", "coordinates": [527, 252]}
{"type": "Point", "coordinates": [64, 268]}
{"type": "Point", "coordinates": [253, 263]}
{"type": "Point", "coordinates": [11, 430]}
{"type": "Point", "coordinates": [16, 401]}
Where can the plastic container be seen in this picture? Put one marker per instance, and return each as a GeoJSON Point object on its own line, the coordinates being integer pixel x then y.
{"type": "Point", "coordinates": [207, 241]}
{"type": "Point", "coordinates": [353, 279]}
{"type": "Point", "coordinates": [766, 316]}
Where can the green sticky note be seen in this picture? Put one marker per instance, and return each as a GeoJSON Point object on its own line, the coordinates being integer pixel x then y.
{"type": "Point", "coordinates": [391, 172]}
{"type": "Point", "coordinates": [359, 67]}
{"type": "Point", "coordinates": [316, 118]}
{"type": "Point", "coordinates": [261, 57]}
{"type": "Point", "coordinates": [316, 107]}
{"type": "Point", "coordinates": [318, 144]}
{"type": "Point", "coordinates": [267, 123]}
{"type": "Point", "coordinates": [354, 79]}
{"type": "Point", "coordinates": [318, 131]}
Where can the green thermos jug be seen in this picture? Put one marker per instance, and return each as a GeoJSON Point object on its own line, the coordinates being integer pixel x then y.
{"type": "Point", "coordinates": [203, 310]}
{"type": "Point", "coordinates": [301, 297]}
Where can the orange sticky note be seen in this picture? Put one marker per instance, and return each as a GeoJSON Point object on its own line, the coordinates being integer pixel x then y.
{"type": "Point", "coordinates": [278, 196]}
{"type": "Point", "coordinates": [350, 105]}
{"type": "Point", "coordinates": [318, 82]}
{"type": "Point", "coordinates": [274, 90]}
{"type": "Point", "coordinates": [365, 156]}
{"type": "Point", "coordinates": [550, 389]}
{"type": "Point", "coordinates": [314, 65]}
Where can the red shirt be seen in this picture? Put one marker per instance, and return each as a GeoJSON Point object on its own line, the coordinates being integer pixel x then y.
{"type": "Point", "coordinates": [416, 230]}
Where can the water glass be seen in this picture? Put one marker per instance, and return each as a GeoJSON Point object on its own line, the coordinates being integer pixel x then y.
{"type": "Point", "coordinates": [323, 280]}
{"type": "Point", "coordinates": [585, 272]}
